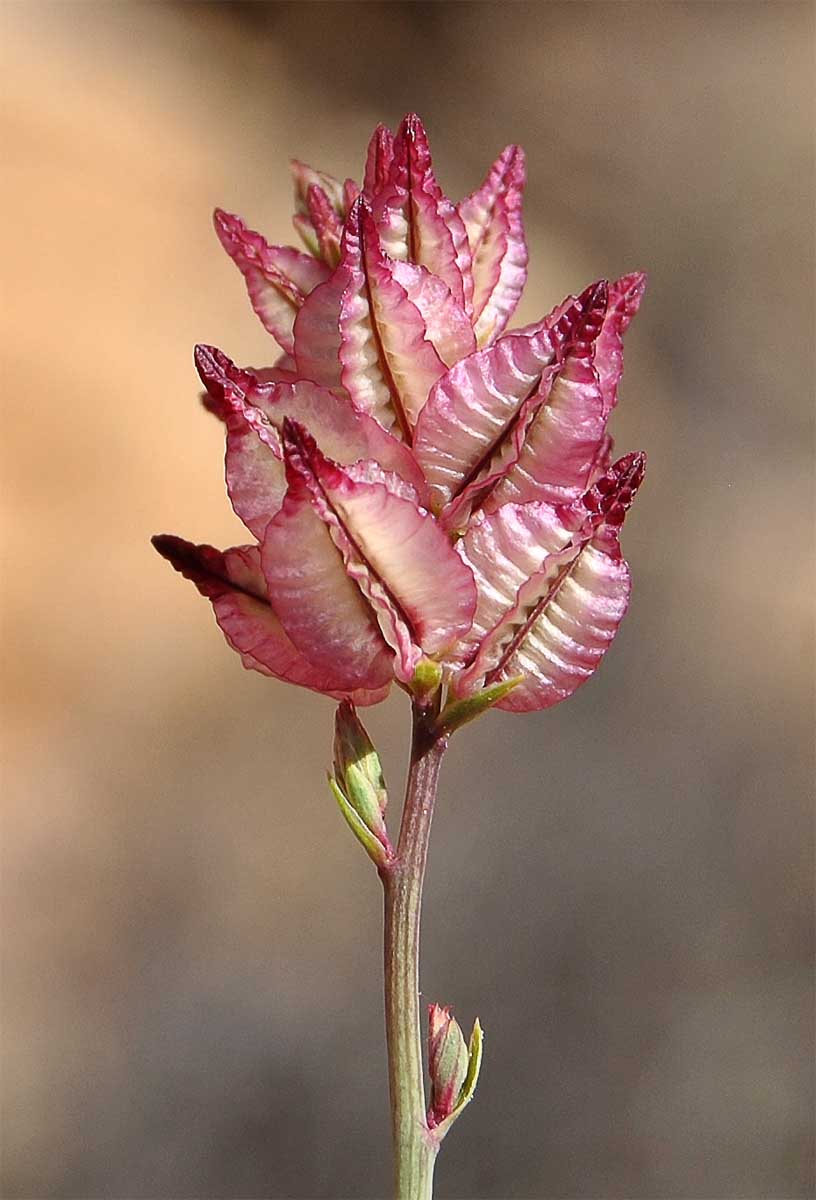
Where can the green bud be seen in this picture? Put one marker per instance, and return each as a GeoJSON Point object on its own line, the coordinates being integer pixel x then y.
{"type": "Point", "coordinates": [459, 712]}
{"type": "Point", "coordinates": [358, 784]}
{"type": "Point", "coordinates": [447, 1061]}
{"type": "Point", "coordinates": [426, 680]}
{"type": "Point", "coordinates": [453, 1067]}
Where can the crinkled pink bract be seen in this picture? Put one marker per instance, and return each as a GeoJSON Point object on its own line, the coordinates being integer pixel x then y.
{"type": "Point", "coordinates": [419, 482]}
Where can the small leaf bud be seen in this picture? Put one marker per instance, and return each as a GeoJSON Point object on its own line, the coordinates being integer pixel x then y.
{"type": "Point", "coordinates": [358, 784]}
{"type": "Point", "coordinates": [447, 1062]}
{"type": "Point", "coordinates": [453, 1066]}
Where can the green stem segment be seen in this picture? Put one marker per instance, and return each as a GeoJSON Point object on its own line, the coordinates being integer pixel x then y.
{"type": "Point", "coordinates": [415, 1146]}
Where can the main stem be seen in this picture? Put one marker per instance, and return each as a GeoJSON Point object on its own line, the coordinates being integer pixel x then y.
{"type": "Point", "coordinates": [415, 1147]}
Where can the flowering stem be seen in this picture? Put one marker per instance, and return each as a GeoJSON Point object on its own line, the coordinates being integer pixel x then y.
{"type": "Point", "coordinates": [415, 1146]}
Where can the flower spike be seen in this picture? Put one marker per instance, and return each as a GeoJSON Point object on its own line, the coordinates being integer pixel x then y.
{"type": "Point", "coordinates": [433, 502]}
{"type": "Point", "coordinates": [431, 495]}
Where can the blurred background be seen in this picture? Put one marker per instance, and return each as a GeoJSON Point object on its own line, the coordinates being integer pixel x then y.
{"type": "Point", "coordinates": [621, 888]}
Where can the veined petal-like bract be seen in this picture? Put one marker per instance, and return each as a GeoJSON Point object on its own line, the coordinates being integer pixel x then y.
{"type": "Point", "coordinates": [427, 490]}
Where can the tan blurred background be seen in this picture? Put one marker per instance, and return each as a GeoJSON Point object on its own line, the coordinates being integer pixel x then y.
{"type": "Point", "coordinates": [621, 888]}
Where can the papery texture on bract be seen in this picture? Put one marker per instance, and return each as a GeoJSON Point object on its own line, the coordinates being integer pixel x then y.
{"type": "Point", "coordinates": [416, 220]}
{"type": "Point", "coordinates": [399, 394]}
{"type": "Point", "coordinates": [553, 588]}
{"type": "Point", "coordinates": [363, 331]}
{"type": "Point", "coordinates": [493, 221]}
{"type": "Point", "coordinates": [472, 411]}
{"type": "Point", "coordinates": [278, 278]}
{"type": "Point", "coordinates": [564, 433]}
{"type": "Point", "coordinates": [319, 605]}
{"type": "Point", "coordinates": [254, 413]}
{"type": "Point", "coordinates": [603, 459]}
{"type": "Point", "coordinates": [397, 556]}
{"type": "Point", "coordinates": [326, 225]}
{"type": "Point", "coordinates": [447, 325]}
{"type": "Point", "coordinates": [255, 476]}
{"type": "Point", "coordinates": [305, 177]}
{"type": "Point", "coordinates": [283, 370]}
{"type": "Point", "coordinates": [625, 295]}
{"type": "Point", "coordinates": [232, 580]}
{"type": "Point", "coordinates": [378, 161]}
{"type": "Point", "coordinates": [351, 190]}
{"type": "Point", "coordinates": [218, 373]}
{"type": "Point", "coordinates": [211, 363]}
{"type": "Point", "coordinates": [484, 411]}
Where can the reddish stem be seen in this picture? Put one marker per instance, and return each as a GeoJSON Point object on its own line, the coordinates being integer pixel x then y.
{"type": "Point", "coordinates": [415, 1146]}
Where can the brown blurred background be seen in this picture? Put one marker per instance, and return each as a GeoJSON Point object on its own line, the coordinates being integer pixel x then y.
{"type": "Point", "coordinates": [621, 888]}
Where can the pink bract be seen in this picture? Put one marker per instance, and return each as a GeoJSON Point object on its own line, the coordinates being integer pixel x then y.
{"type": "Point", "coordinates": [426, 490]}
